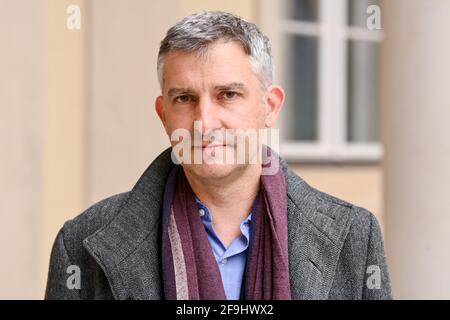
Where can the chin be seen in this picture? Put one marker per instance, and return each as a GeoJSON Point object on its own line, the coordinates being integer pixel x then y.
{"type": "Point", "coordinates": [214, 169]}
{"type": "Point", "coordinates": [211, 171]}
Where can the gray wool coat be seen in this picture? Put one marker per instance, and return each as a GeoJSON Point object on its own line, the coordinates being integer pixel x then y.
{"type": "Point", "coordinates": [335, 249]}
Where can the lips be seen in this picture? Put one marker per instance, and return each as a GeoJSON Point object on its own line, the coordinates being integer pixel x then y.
{"type": "Point", "coordinates": [204, 146]}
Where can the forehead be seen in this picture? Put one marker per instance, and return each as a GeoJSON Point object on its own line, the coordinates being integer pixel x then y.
{"type": "Point", "coordinates": [222, 63]}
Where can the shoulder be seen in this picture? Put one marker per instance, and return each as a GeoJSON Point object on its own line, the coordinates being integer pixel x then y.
{"type": "Point", "coordinates": [351, 223]}
{"type": "Point", "coordinates": [328, 211]}
{"type": "Point", "coordinates": [335, 206]}
{"type": "Point", "coordinates": [97, 216]}
{"type": "Point", "coordinates": [68, 251]}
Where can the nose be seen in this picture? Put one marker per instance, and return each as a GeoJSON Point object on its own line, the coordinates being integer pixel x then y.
{"type": "Point", "coordinates": [207, 113]}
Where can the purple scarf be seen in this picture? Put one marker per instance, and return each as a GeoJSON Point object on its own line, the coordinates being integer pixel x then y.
{"type": "Point", "coordinates": [190, 271]}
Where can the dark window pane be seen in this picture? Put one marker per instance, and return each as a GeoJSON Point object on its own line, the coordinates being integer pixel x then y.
{"type": "Point", "coordinates": [305, 10]}
{"type": "Point", "coordinates": [301, 88]}
{"type": "Point", "coordinates": [357, 11]}
{"type": "Point", "coordinates": [362, 92]}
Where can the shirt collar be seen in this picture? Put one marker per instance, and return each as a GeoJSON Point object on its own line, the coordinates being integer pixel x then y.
{"type": "Point", "coordinates": [205, 215]}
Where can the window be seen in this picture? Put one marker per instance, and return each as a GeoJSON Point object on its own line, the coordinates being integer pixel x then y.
{"type": "Point", "coordinates": [330, 73]}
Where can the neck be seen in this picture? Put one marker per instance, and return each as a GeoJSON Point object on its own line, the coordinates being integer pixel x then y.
{"type": "Point", "coordinates": [229, 198]}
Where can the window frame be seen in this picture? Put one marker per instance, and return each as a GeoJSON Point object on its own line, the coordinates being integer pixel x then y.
{"type": "Point", "coordinates": [333, 33]}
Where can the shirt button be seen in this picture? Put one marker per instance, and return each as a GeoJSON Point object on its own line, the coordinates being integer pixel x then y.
{"type": "Point", "coordinates": [224, 260]}
{"type": "Point", "coordinates": [201, 212]}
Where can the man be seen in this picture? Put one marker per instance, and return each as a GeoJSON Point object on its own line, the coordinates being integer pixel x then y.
{"type": "Point", "coordinates": [222, 229]}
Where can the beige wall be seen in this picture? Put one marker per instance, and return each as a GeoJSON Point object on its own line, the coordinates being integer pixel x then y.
{"type": "Point", "coordinates": [247, 9]}
{"type": "Point", "coordinates": [124, 131]}
{"type": "Point", "coordinates": [21, 140]}
{"type": "Point", "coordinates": [64, 116]}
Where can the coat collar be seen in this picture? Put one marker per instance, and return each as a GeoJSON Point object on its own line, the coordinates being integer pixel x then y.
{"type": "Point", "coordinates": [128, 248]}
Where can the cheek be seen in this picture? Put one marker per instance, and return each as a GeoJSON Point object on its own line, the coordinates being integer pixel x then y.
{"type": "Point", "coordinates": [177, 119]}
{"type": "Point", "coordinates": [257, 114]}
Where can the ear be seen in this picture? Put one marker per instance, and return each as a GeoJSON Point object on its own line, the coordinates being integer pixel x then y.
{"type": "Point", "coordinates": [274, 100]}
{"type": "Point", "coordinates": [159, 107]}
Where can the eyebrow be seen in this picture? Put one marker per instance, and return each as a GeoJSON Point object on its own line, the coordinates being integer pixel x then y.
{"type": "Point", "coordinates": [231, 86]}
{"type": "Point", "coordinates": [176, 91]}
{"type": "Point", "coordinates": [225, 87]}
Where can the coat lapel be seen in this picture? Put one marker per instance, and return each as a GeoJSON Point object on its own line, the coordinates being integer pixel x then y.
{"type": "Point", "coordinates": [315, 238]}
{"type": "Point", "coordinates": [128, 248]}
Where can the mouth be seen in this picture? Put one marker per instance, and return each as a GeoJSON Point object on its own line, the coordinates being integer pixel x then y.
{"type": "Point", "coordinates": [205, 146]}
{"type": "Point", "coordinates": [213, 146]}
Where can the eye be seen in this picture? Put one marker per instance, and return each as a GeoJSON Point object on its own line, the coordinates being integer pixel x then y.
{"type": "Point", "coordinates": [229, 95]}
{"type": "Point", "coordinates": [182, 99]}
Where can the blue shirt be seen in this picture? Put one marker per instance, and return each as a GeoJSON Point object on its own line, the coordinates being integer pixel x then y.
{"type": "Point", "coordinates": [231, 260]}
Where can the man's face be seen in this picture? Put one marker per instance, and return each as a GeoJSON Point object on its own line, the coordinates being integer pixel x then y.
{"type": "Point", "coordinates": [220, 90]}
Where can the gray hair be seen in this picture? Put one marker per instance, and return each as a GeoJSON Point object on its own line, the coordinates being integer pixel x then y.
{"type": "Point", "coordinates": [196, 32]}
